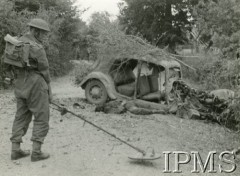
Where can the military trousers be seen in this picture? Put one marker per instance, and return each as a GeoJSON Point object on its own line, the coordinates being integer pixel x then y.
{"type": "Point", "coordinates": [31, 92]}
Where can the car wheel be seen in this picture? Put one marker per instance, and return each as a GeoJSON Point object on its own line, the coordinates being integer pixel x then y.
{"type": "Point", "coordinates": [96, 92]}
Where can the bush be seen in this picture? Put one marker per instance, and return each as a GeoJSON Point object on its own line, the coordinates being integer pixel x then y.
{"type": "Point", "coordinates": [213, 72]}
{"type": "Point", "coordinates": [81, 70]}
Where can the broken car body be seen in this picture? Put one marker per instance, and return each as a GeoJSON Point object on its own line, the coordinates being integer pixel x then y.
{"type": "Point", "coordinates": [146, 78]}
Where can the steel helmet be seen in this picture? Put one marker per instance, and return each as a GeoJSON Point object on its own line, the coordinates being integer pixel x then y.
{"type": "Point", "coordinates": [39, 23]}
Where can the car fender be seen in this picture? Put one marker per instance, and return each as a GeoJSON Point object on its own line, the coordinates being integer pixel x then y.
{"type": "Point", "coordinates": [105, 79]}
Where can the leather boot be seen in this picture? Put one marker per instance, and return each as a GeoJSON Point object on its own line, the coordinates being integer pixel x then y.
{"type": "Point", "coordinates": [17, 153]}
{"type": "Point", "coordinates": [37, 154]}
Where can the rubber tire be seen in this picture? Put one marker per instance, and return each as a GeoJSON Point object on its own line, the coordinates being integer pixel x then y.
{"type": "Point", "coordinates": [104, 96]}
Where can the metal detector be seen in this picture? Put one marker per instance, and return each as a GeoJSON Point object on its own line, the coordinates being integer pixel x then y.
{"type": "Point", "coordinates": [141, 156]}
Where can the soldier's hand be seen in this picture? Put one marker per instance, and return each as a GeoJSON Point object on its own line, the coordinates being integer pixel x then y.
{"type": "Point", "coordinates": [50, 95]}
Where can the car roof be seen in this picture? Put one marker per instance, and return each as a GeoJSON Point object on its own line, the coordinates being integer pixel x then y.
{"type": "Point", "coordinates": [163, 59]}
{"type": "Point", "coordinates": [168, 62]}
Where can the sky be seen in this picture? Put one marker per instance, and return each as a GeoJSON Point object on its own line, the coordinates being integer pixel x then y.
{"type": "Point", "coordinates": [98, 6]}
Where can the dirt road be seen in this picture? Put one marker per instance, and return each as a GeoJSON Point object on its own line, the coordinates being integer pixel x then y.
{"type": "Point", "coordinates": [79, 149]}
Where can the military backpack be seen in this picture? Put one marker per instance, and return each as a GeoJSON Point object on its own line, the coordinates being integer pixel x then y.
{"type": "Point", "coordinates": [16, 52]}
{"type": "Point", "coordinates": [16, 55]}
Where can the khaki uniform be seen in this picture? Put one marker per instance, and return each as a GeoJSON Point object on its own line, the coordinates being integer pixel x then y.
{"type": "Point", "coordinates": [32, 94]}
{"type": "Point", "coordinates": [138, 108]}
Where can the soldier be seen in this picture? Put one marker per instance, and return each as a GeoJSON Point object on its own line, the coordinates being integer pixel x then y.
{"type": "Point", "coordinates": [133, 106]}
{"type": "Point", "coordinates": [33, 94]}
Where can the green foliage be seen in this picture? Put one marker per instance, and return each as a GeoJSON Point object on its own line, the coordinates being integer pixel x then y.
{"type": "Point", "coordinates": [110, 41]}
{"type": "Point", "coordinates": [11, 22]}
{"type": "Point", "coordinates": [219, 21]}
{"type": "Point", "coordinates": [213, 72]}
{"type": "Point", "coordinates": [161, 22]}
{"type": "Point", "coordinates": [81, 70]}
{"type": "Point", "coordinates": [235, 109]}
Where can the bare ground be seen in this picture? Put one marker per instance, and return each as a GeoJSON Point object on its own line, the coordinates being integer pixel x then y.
{"type": "Point", "coordinates": [80, 149]}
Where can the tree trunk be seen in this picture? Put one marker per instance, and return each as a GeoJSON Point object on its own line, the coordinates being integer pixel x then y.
{"type": "Point", "coordinates": [169, 22]}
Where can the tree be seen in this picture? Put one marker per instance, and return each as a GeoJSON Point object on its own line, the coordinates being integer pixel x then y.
{"type": "Point", "coordinates": [61, 6]}
{"type": "Point", "coordinates": [161, 22]}
{"type": "Point", "coordinates": [218, 22]}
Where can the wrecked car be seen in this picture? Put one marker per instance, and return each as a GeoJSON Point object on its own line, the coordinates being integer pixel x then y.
{"type": "Point", "coordinates": [150, 85]}
{"type": "Point", "coordinates": [144, 78]}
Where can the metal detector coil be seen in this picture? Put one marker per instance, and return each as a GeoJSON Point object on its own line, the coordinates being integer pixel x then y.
{"type": "Point", "coordinates": [149, 155]}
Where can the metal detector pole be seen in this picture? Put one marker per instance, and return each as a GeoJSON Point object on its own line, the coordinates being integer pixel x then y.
{"type": "Point", "coordinates": [65, 110]}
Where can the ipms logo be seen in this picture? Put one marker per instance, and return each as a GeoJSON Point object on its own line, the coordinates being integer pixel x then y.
{"type": "Point", "coordinates": [222, 162]}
